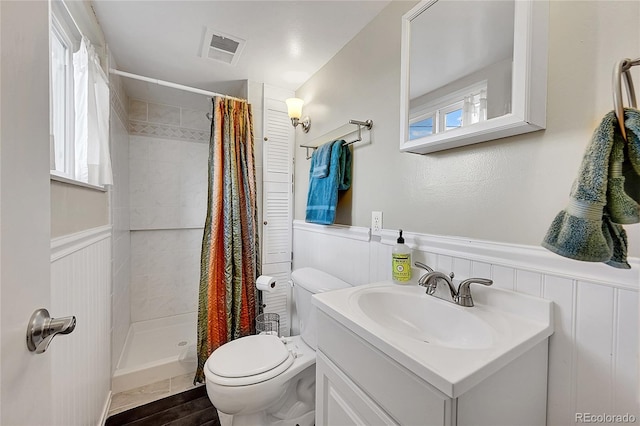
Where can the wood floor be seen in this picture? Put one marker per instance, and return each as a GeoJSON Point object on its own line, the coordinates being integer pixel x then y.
{"type": "Point", "coordinates": [189, 408]}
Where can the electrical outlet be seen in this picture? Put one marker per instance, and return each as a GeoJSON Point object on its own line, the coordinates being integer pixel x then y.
{"type": "Point", "coordinates": [376, 223]}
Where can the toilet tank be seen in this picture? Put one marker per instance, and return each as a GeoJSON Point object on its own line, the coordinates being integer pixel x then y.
{"type": "Point", "coordinates": [306, 283]}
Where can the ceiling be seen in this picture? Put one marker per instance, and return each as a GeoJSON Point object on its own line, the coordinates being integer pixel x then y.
{"type": "Point", "coordinates": [286, 41]}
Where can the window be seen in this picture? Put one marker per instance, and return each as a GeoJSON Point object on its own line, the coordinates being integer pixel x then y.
{"type": "Point", "coordinates": [451, 116]}
{"type": "Point", "coordinates": [63, 41]}
{"type": "Point", "coordinates": [421, 128]}
{"type": "Point", "coordinates": [79, 93]}
{"type": "Point", "coordinates": [455, 110]}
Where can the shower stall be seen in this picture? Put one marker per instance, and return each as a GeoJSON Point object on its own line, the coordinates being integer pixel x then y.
{"type": "Point", "coordinates": [158, 209]}
{"type": "Point", "coordinates": [160, 154]}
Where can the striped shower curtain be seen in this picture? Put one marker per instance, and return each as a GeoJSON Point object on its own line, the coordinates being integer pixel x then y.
{"type": "Point", "coordinates": [229, 261]}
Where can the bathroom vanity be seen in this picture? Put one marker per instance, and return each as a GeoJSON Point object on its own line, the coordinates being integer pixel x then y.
{"type": "Point", "coordinates": [390, 354]}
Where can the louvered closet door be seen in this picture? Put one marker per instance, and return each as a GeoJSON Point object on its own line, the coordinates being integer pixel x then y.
{"type": "Point", "coordinates": [277, 222]}
{"type": "Point", "coordinates": [278, 144]}
{"type": "Point", "coordinates": [277, 189]}
{"type": "Point", "coordinates": [277, 208]}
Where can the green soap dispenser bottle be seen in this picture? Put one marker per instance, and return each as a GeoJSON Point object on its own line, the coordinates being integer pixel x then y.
{"type": "Point", "coordinates": [401, 262]}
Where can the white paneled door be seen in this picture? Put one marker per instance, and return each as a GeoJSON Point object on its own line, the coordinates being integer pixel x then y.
{"type": "Point", "coordinates": [25, 378]}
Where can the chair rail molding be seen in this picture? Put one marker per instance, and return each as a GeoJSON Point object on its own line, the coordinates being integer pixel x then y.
{"type": "Point", "coordinates": [359, 233]}
{"type": "Point", "coordinates": [524, 257]}
{"type": "Point", "coordinates": [68, 244]}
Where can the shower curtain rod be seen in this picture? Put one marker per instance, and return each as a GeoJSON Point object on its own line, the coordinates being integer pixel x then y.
{"type": "Point", "coordinates": [170, 84]}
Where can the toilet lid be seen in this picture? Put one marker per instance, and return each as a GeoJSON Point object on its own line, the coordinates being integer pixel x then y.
{"type": "Point", "coordinates": [248, 356]}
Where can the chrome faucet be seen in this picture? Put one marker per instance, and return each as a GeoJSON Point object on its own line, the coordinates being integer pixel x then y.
{"type": "Point", "coordinates": [424, 266]}
{"type": "Point", "coordinates": [431, 279]}
{"type": "Point", "coordinates": [464, 291]}
{"type": "Point", "coordinates": [461, 296]}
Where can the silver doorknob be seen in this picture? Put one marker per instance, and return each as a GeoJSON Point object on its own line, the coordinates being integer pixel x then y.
{"type": "Point", "coordinates": [42, 329]}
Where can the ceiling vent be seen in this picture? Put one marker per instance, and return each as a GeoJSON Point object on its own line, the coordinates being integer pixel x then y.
{"type": "Point", "coordinates": [222, 47]}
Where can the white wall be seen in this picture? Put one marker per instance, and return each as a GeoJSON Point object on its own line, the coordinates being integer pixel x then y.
{"type": "Point", "coordinates": [506, 190]}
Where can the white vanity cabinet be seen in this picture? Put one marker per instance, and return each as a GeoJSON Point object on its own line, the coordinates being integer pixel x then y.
{"type": "Point", "coordinates": [358, 384]}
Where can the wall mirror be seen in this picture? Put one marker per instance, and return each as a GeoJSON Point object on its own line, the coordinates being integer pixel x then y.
{"type": "Point", "coordinates": [472, 71]}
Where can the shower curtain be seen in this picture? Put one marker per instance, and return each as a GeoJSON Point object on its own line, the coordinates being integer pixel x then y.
{"type": "Point", "coordinates": [229, 262]}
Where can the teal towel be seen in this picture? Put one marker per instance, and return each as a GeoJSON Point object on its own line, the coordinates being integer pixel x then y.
{"type": "Point", "coordinates": [321, 160]}
{"type": "Point", "coordinates": [322, 198]}
{"type": "Point", "coordinates": [589, 229]}
{"type": "Point", "coordinates": [344, 168]}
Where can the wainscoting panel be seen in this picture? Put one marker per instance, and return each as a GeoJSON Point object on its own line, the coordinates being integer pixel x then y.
{"type": "Point", "coordinates": [340, 251]}
{"type": "Point", "coordinates": [81, 361]}
{"type": "Point", "coordinates": [593, 353]}
{"type": "Point", "coordinates": [625, 360]}
{"type": "Point", "coordinates": [594, 340]}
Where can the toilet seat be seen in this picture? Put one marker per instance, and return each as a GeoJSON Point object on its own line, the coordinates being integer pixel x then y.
{"type": "Point", "coordinates": [248, 360]}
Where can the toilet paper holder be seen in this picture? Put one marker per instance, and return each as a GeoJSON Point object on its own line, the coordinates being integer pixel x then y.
{"type": "Point", "coordinates": [266, 283]}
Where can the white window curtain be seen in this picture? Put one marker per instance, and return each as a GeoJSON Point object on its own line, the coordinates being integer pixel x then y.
{"type": "Point", "coordinates": [91, 96]}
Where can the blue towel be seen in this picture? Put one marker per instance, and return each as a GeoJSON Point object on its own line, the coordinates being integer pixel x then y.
{"type": "Point", "coordinates": [603, 197]}
{"type": "Point", "coordinates": [321, 160]}
{"type": "Point", "coordinates": [322, 198]}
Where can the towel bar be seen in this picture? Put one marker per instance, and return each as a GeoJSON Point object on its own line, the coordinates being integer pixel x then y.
{"type": "Point", "coordinates": [339, 133]}
{"type": "Point", "coordinates": [622, 67]}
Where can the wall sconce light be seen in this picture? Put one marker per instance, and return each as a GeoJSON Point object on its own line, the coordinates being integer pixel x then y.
{"type": "Point", "coordinates": [294, 108]}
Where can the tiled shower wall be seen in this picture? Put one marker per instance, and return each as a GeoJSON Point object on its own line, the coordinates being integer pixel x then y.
{"type": "Point", "coordinates": [168, 157]}
{"type": "Point", "coordinates": [119, 194]}
{"type": "Point", "coordinates": [593, 353]}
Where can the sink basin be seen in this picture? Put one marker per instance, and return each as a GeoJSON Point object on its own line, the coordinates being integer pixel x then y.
{"type": "Point", "coordinates": [451, 347]}
{"type": "Point", "coordinates": [424, 318]}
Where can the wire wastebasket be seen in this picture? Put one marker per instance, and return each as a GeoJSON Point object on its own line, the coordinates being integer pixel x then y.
{"type": "Point", "coordinates": [268, 323]}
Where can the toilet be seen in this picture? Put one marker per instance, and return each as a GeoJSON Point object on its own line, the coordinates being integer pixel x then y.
{"type": "Point", "coordinates": [268, 380]}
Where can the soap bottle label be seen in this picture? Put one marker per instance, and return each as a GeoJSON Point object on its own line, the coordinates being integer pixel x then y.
{"type": "Point", "coordinates": [401, 264]}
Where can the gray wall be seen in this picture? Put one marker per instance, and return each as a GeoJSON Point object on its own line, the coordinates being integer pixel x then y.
{"type": "Point", "coordinates": [506, 190]}
{"type": "Point", "coordinates": [75, 208]}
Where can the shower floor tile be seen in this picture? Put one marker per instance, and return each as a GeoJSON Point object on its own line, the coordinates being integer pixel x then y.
{"type": "Point", "coordinates": [143, 395]}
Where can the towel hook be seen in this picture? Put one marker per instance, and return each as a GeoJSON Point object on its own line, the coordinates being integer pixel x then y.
{"type": "Point", "coordinates": [622, 67]}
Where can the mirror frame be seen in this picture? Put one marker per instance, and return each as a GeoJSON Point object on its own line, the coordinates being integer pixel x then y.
{"type": "Point", "coordinates": [529, 83]}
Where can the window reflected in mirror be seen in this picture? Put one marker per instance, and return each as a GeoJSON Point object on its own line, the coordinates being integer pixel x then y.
{"type": "Point", "coordinates": [452, 111]}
